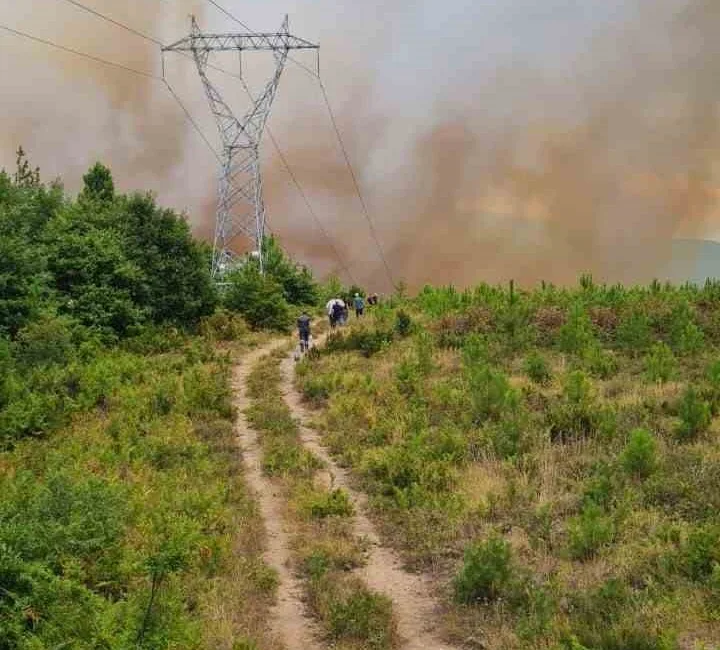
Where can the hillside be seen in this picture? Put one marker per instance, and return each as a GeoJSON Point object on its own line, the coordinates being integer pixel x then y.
{"type": "Point", "coordinates": [550, 458]}
{"type": "Point", "coordinates": [125, 520]}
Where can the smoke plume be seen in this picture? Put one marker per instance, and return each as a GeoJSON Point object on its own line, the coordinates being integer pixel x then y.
{"type": "Point", "coordinates": [538, 145]}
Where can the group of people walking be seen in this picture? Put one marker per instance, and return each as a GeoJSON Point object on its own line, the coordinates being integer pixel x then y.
{"type": "Point", "coordinates": [338, 314]}
{"type": "Point", "coordinates": [338, 310]}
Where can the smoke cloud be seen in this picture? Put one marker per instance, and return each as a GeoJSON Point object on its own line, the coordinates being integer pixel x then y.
{"type": "Point", "coordinates": [490, 142]}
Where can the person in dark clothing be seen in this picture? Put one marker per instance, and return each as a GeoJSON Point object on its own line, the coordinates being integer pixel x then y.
{"type": "Point", "coordinates": [359, 305]}
{"type": "Point", "coordinates": [337, 313]}
{"type": "Point", "coordinates": [303, 325]}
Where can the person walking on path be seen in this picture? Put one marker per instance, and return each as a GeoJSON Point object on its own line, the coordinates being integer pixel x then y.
{"type": "Point", "coordinates": [332, 311]}
{"type": "Point", "coordinates": [303, 325]}
{"type": "Point", "coordinates": [359, 305]}
{"type": "Point", "coordinates": [337, 312]}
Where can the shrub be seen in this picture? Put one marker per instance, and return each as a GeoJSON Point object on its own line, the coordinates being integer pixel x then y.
{"type": "Point", "coordinates": [576, 414]}
{"type": "Point", "coordinates": [224, 326]}
{"type": "Point", "coordinates": [351, 612]}
{"type": "Point", "coordinates": [701, 553]}
{"type": "Point", "coordinates": [537, 368]}
{"type": "Point", "coordinates": [490, 393]}
{"type": "Point", "coordinates": [599, 363]}
{"type": "Point", "coordinates": [639, 457]}
{"type": "Point", "coordinates": [486, 573]}
{"type": "Point", "coordinates": [689, 340]}
{"type": "Point", "coordinates": [403, 323]}
{"type": "Point", "coordinates": [589, 532]}
{"type": "Point", "coordinates": [368, 342]}
{"type": "Point", "coordinates": [45, 341]}
{"type": "Point", "coordinates": [694, 413]}
{"type": "Point", "coordinates": [634, 333]}
{"type": "Point", "coordinates": [660, 364]}
{"type": "Point", "coordinates": [259, 298]}
{"type": "Point", "coordinates": [601, 486]}
{"type": "Point", "coordinates": [577, 333]}
{"type": "Point", "coordinates": [335, 503]}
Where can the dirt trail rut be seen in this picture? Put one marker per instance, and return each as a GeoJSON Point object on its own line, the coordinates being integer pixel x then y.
{"type": "Point", "coordinates": [289, 621]}
{"type": "Point", "coordinates": [414, 607]}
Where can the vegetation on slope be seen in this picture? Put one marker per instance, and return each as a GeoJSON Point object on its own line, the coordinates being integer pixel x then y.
{"type": "Point", "coordinates": [552, 455]}
{"type": "Point", "coordinates": [124, 521]}
{"type": "Point", "coordinates": [327, 551]}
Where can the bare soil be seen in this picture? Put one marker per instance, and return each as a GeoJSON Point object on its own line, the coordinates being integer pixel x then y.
{"type": "Point", "coordinates": [289, 618]}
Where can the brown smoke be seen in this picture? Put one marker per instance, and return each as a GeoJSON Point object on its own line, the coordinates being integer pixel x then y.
{"type": "Point", "coordinates": [522, 173]}
{"type": "Point", "coordinates": [602, 187]}
{"type": "Point", "coordinates": [67, 111]}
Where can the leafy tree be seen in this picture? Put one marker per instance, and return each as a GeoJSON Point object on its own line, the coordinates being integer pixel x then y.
{"type": "Point", "coordinates": [298, 285]}
{"type": "Point", "coordinates": [175, 284]}
{"type": "Point", "coordinates": [99, 185]}
{"type": "Point", "coordinates": [25, 176]}
{"type": "Point", "coordinates": [259, 298]}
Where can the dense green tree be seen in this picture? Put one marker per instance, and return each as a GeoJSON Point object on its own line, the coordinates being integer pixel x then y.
{"type": "Point", "coordinates": [298, 285]}
{"type": "Point", "coordinates": [175, 284]}
{"type": "Point", "coordinates": [259, 298]}
{"type": "Point", "coordinates": [99, 185]}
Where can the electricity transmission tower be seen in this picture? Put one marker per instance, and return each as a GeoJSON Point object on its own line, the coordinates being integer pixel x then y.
{"type": "Point", "coordinates": [240, 209]}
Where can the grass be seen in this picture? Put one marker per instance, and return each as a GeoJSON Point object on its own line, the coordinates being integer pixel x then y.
{"type": "Point", "coordinates": [549, 455]}
{"type": "Point", "coordinates": [132, 526]}
{"type": "Point", "coordinates": [326, 551]}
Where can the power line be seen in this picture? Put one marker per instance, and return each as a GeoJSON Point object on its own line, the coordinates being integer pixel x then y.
{"type": "Point", "coordinates": [338, 135]}
{"type": "Point", "coordinates": [195, 125]}
{"type": "Point", "coordinates": [305, 199]}
{"type": "Point", "coordinates": [96, 59]}
{"type": "Point", "coordinates": [219, 7]}
{"type": "Point", "coordinates": [112, 21]}
{"type": "Point", "coordinates": [191, 120]}
{"type": "Point", "coordinates": [312, 212]}
{"type": "Point", "coordinates": [365, 210]}
{"type": "Point", "coordinates": [91, 57]}
{"type": "Point", "coordinates": [147, 37]}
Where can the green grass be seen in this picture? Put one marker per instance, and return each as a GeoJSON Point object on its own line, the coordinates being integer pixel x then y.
{"type": "Point", "coordinates": [575, 427]}
{"type": "Point", "coordinates": [131, 525]}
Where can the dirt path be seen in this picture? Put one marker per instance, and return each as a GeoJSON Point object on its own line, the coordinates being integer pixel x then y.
{"type": "Point", "coordinates": [414, 607]}
{"type": "Point", "coordinates": [289, 620]}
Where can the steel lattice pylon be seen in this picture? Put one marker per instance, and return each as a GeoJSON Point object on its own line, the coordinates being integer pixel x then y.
{"type": "Point", "coordinates": [240, 210]}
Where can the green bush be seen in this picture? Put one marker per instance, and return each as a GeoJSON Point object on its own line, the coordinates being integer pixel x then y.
{"type": "Point", "coordinates": [487, 572]}
{"type": "Point", "coordinates": [577, 333]}
{"type": "Point", "coordinates": [599, 363]}
{"type": "Point", "coordinates": [589, 532]}
{"type": "Point", "coordinates": [298, 285]}
{"type": "Point", "coordinates": [700, 554]}
{"type": "Point", "coordinates": [368, 342]}
{"type": "Point", "coordinates": [634, 333]}
{"type": "Point", "coordinates": [490, 393]}
{"type": "Point", "coordinates": [403, 324]}
{"type": "Point", "coordinates": [639, 458]}
{"type": "Point", "coordinates": [259, 298]}
{"type": "Point", "coordinates": [351, 612]}
{"type": "Point", "coordinates": [690, 340]}
{"type": "Point", "coordinates": [694, 413]}
{"type": "Point", "coordinates": [224, 326]}
{"type": "Point", "coordinates": [660, 364]}
{"type": "Point", "coordinates": [576, 414]}
{"type": "Point", "coordinates": [335, 503]}
{"type": "Point", "coordinates": [537, 368]}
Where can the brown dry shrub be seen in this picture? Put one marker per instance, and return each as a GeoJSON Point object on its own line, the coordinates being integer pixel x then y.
{"type": "Point", "coordinates": [548, 321]}
{"type": "Point", "coordinates": [475, 319]}
{"type": "Point", "coordinates": [605, 319]}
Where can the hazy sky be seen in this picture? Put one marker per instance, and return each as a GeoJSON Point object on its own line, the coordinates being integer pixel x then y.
{"type": "Point", "coordinates": [438, 101]}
